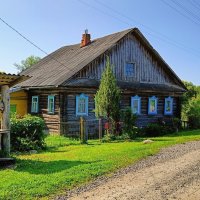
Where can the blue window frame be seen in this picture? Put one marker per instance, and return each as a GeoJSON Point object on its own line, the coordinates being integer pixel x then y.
{"type": "Point", "coordinates": [130, 69]}
{"type": "Point", "coordinates": [152, 106]}
{"type": "Point", "coordinates": [136, 104]}
{"type": "Point", "coordinates": [81, 105]}
{"type": "Point", "coordinates": [168, 106]}
{"type": "Point", "coordinates": [51, 105]}
{"type": "Point", "coordinates": [34, 104]}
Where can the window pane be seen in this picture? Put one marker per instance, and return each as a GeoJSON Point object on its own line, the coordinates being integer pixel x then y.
{"type": "Point", "coordinates": [152, 105]}
{"type": "Point", "coordinates": [13, 108]}
{"type": "Point", "coordinates": [135, 106]}
{"type": "Point", "coordinates": [34, 106]}
{"type": "Point", "coordinates": [168, 106]}
{"type": "Point", "coordinates": [81, 105]}
{"type": "Point", "coordinates": [50, 104]}
{"type": "Point", "coordinates": [130, 69]}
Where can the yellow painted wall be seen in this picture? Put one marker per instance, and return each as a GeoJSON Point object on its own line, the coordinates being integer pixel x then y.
{"type": "Point", "coordinates": [20, 99]}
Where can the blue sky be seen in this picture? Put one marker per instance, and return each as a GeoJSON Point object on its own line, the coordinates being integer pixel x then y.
{"type": "Point", "coordinates": [171, 26]}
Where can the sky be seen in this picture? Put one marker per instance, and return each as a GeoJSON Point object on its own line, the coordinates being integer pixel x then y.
{"type": "Point", "coordinates": [171, 26]}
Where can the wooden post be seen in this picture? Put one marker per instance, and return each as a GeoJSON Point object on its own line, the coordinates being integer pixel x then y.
{"type": "Point", "coordinates": [100, 129]}
{"type": "Point", "coordinates": [82, 131]}
{"type": "Point", "coordinates": [6, 117]}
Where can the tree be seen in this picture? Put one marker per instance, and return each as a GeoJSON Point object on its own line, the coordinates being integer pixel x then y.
{"type": "Point", "coordinates": [188, 99]}
{"type": "Point", "coordinates": [28, 62]}
{"type": "Point", "coordinates": [107, 98]}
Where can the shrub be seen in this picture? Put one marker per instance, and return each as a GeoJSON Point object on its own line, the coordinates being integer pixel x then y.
{"type": "Point", "coordinates": [193, 113]}
{"type": "Point", "coordinates": [27, 133]}
{"type": "Point", "coordinates": [129, 123]}
{"type": "Point", "coordinates": [124, 136]}
{"type": "Point", "coordinates": [108, 137]}
{"type": "Point", "coordinates": [153, 130]}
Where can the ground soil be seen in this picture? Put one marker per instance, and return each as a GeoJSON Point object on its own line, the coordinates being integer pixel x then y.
{"type": "Point", "coordinates": [174, 173]}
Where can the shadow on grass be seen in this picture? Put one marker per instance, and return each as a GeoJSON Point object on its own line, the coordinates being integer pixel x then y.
{"type": "Point", "coordinates": [41, 167]}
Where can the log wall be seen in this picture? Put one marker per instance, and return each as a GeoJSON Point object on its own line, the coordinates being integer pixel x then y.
{"type": "Point", "coordinates": [51, 120]}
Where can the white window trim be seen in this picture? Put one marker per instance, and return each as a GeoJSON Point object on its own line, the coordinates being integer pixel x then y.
{"type": "Point", "coordinates": [139, 104]}
{"type": "Point", "coordinates": [32, 109]}
{"type": "Point", "coordinates": [171, 106]}
{"type": "Point", "coordinates": [51, 97]}
{"type": "Point", "coordinates": [86, 106]}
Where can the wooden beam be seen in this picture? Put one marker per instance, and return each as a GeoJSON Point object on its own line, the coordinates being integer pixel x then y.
{"type": "Point", "coordinates": [6, 117]}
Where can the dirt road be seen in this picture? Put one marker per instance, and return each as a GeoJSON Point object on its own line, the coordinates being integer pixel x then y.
{"type": "Point", "coordinates": [174, 173]}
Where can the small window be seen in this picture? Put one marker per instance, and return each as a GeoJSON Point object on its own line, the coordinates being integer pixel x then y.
{"type": "Point", "coordinates": [51, 104]}
{"type": "Point", "coordinates": [130, 70]}
{"type": "Point", "coordinates": [34, 104]}
{"type": "Point", "coordinates": [168, 106]}
{"type": "Point", "coordinates": [13, 108]}
{"type": "Point", "coordinates": [136, 104]}
{"type": "Point", "coordinates": [82, 105]}
{"type": "Point", "coordinates": [152, 107]}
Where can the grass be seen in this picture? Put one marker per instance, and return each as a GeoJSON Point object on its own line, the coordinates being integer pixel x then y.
{"type": "Point", "coordinates": [67, 164]}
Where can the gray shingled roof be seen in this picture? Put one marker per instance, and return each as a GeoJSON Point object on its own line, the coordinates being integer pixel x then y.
{"type": "Point", "coordinates": [49, 72]}
{"type": "Point", "coordinates": [56, 68]}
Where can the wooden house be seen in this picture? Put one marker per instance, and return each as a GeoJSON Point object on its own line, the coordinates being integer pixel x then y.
{"type": "Point", "coordinates": [63, 84]}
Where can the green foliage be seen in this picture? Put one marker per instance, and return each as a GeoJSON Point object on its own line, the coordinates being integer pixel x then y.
{"type": "Point", "coordinates": [28, 62]}
{"type": "Point", "coordinates": [108, 96]}
{"type": "Point", "coordinates": [27, 133]}
{"type": "Point", "coordinates": [193, 113]}
{"type": "Point", "coordinates": [123, 137]}
{"type": "Point", "coordinates": [192, 93]}
{"type": "Point", "coordinates": [2, 154]}
{"type": "Point", "coordinates": [108, 137]}
{"type": "Point", "coordinates": [129, 120]}
{"type": "Point", "coordinates": [52, 172]}
{"type": "Point", "coordinates": [154, 130]}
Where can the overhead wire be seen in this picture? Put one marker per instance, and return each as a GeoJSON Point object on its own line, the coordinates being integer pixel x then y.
{"type": "Point", "coordinates": [181, 13]}
{"type": "Point", "coordinates": [158, 34]}
{"type": "Point", "coordinates": [33, 44]}
{"type": "Point", "coordinates": [153, 33]}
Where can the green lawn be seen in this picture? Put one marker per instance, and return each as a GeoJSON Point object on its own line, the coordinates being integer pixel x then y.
{"type": "Point", "coordinates": [66, 164]}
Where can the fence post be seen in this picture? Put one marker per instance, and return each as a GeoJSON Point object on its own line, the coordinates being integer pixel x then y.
{"type": "Point", "coordinates": [100, 129]}
{"type": "Point", "coordinates": [82, 130]}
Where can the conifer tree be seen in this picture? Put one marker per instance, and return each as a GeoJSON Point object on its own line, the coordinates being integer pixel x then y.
{"type": "Point", "coordinates": [107, 98]}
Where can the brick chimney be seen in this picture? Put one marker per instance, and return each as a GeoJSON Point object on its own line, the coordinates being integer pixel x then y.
{"type": "Point", "coordinates": [85, 39]}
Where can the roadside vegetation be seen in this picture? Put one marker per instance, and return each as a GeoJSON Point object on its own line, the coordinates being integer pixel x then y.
{"type": "Point", "coordinates": [66, 164]}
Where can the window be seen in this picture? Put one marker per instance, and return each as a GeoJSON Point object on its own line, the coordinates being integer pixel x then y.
{"type": "Point", "coordinates": [51, 104]}
{"type": "Point", "coordinates": [130, 70]}
{"type": "Point", "coordinates": [168, 106]}
{"type": "Point", "coordinates": [82, 105]}
{"type": "Point", "coordinates": [136, 104]}
{"type": "Point", "coordinates": [34, 104]}
{"type": "Point", "coordinates": [13, 108]}
{"type": "Point", "coordinates": [152, 107]}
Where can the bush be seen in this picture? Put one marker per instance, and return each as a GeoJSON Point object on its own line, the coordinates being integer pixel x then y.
{"type": "Point", "coordinates": [108, 137]}
{"type": "Point", "coordinates": [153, 130]}
{"type": "Point", "coordinates": [193, 113]}
{"type": "Point", "coordinates": [27, 133]}
{"type": "Point", "coordinates": [129, 123]}
{"type": "Point", "coordinates": [124, 136]}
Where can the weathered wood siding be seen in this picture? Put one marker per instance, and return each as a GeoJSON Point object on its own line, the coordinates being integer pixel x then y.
{"type": "Point", "coordinates": [129, 49]}
{"type": "Point", "coordinates": [144, 118]}
{"type": "Point", "coordinates": [51, 120]}
{"type": "Point", "coordinates": [70, 126]}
